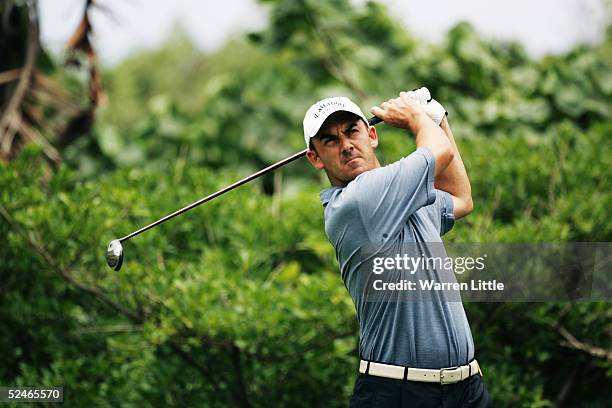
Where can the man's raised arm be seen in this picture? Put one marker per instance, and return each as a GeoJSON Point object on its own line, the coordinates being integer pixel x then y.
{"type": "Point", "coordinates": [454, 179]}
{"type": "Point", "coordinates": [405, 113]}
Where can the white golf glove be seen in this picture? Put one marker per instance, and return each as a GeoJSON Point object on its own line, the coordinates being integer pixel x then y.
{"type": "Point", "coordinates": [432, 107]}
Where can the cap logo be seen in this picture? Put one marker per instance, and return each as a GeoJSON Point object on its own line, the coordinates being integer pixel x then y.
{"type": "Point", "coordinates": [325, 105]}
{"type": "Point", "coordinates": [322, 109]}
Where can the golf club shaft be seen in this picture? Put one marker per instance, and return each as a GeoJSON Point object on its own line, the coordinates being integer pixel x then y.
{"type": "Point", "coordinates": [218, 193]}
{"type": "Point", "coordinates": [372, 121]}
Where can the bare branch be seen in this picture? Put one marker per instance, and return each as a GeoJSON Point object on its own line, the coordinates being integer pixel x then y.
{"type": "Point", "coordinates": [574, 343]}
{"type": "Point", "coordinates": [29, 133]}
{"type": "Point", "coordinates": [10, 75]}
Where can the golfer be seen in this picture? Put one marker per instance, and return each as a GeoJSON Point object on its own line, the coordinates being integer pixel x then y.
{"type": "Point", "coordinates": [413, 354]}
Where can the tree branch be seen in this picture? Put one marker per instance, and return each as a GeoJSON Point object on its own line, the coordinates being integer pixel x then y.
{"type": "Point", "coordinates": [574, 343]}
{"type": "Point", "coordinates": [67, 276]}
{"type": "Point", "coordinates": [242, 396]}
{"type": "Point", "coordinates": [33, 45]}
{"type": "Point", "coordinates": [10, 75]}
{"type": "Point", "coordinates": [568, 385]}
{"type": "Point", "coordinates": [200, 367]}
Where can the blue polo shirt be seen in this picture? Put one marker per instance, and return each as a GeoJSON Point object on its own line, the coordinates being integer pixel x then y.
{"type": "Point", "coordinates": [390, 207]}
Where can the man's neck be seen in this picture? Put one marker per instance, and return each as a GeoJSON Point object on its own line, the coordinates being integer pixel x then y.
{"type": "Point", "coordinates": [338, 183]}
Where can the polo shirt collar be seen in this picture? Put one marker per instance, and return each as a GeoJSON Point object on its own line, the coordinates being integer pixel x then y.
{"type": "Point", "coordinates": [327, 194]}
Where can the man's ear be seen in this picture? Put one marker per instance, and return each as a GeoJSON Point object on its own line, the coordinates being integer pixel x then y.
{"type": "Point", "coordinates": [373, 137]}
{"type": "Point", "coordinates": [314, 159]}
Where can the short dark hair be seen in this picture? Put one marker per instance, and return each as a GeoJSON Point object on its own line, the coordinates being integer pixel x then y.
{"type": "Point", "coordinates": [311, 146]}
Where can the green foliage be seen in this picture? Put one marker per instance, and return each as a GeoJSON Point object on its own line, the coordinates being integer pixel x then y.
{"type": "Point", "coordinates": [240, 302]}
{"type": "Point", "coordinates": [242, 283]}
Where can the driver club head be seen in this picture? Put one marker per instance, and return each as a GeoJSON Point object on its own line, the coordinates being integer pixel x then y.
{"type": "Point", "coordinates": [114, 254]}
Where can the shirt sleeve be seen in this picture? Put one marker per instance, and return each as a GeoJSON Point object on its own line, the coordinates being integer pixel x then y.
{"type": "Point", "coordinates": [387, 196]}
{"type": "Point", "coordinates": [441, 212]}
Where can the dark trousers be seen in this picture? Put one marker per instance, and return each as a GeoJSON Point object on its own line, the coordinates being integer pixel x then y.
{"type": "Point", "coordinates": [373, 392]}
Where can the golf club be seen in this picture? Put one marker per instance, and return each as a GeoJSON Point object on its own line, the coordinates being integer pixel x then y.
{"type": "Point", "coordinates": [114, 253]}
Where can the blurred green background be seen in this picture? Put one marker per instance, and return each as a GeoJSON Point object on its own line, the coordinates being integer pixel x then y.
{"type": "Point", "coordinates": [239, 303]}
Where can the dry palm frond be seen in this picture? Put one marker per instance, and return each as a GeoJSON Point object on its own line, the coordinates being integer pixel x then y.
{"type": "Point", "coordinates": [80, 41]}
{"type": "Point", "coordinates": [38, 110]}
{"type": "Point", "coordinates": [13, 129]}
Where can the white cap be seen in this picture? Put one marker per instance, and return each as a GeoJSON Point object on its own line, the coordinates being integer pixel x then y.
{"type": "Point", "coordinates": [317, 113]}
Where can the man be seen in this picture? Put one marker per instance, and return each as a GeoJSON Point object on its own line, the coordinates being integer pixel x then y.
{"type": "Point", "coordinates": [413, 353]}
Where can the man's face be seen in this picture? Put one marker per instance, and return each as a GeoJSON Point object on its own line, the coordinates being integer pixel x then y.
{"type": "Point", "coordinates": [344, 147]}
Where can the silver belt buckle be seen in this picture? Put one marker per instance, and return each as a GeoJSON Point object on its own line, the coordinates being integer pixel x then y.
{"type": "Point", "coordinates": [450, 375]}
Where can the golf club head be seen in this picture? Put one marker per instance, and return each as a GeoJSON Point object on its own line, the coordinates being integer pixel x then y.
{"type": "Point", "coordinates": [114, 254]}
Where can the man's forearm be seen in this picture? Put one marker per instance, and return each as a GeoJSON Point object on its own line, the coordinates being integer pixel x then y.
{"type": "Point", "coordinates": [406, 113]}
{"type": "Point", "coordinates": [428, 134]}
{"type": "Point", "coordinates": [454, 178]}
